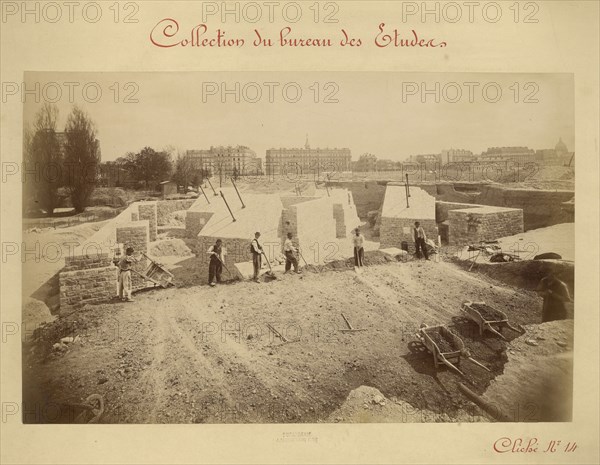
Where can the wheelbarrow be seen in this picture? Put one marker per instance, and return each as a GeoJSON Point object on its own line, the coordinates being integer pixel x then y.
{"type": "Point", "coordinates": [487, 317]}
{"type": "Point", "coordinates": [156, 273]}
{"type": "Point", "coordinates": [446, 347]}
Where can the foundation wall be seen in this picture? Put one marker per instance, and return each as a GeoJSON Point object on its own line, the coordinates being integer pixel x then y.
{"type": "Point", "coordinates": [148, 211]}
{"type": "Point", "coordinates": [483, 224]}
{"type": "Point", "coordinates": [238, 251]}
{"type": "Point", "coordinates": [442, 209]}
{"type": "Point", "coordinates": [164, 208]}
{"type": "Point", "coordinates": [540, 208]}
{"type": "Point", "coordinates": [195, 221]}
{"type": "Point", "coordinates": [87, 286]}
{"type": "Point", "coordinates": [136, 235]}
{"type": "Point", "coordinates": [394, 231]}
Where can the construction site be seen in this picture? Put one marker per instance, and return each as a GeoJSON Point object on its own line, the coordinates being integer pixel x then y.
{"type": "Point", "coordinates": [455, 338]}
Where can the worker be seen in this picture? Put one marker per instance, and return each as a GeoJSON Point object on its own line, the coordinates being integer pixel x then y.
{"type": "Point", "coordinates": [289, 251]}
{"type": "Point", "coordinates": [257, 252]}
{"type": "Point", "coordinates": [217, 258]}
{"type": "Point", "coordinates": [556, 295]}
{"type": "Point", "coordinates": [125, 266]}
{"type": "Point", "coordinates": [420, 240]}
{"type": "Point", "coordinates": [359, 252]}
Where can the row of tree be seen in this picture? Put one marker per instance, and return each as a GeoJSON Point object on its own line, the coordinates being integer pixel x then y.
{"type": "Point", "coordinates": [53, 161]}
{"type": "Point", "coordinates": [67, 164]}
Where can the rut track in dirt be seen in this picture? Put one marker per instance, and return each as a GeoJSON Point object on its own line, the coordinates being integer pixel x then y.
{"type": "Point", "coordinates": [203, 354]}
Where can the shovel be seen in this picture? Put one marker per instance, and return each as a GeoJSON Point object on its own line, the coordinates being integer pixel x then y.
{"type": "Point", "coordinates": [269, 273]}
{"type": "Point", "coordinates": [223, 263]}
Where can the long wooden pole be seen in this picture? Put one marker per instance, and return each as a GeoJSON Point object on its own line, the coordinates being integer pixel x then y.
{"type": "Point", "coordinates": [238, 193]}
{"type": "Point", "coordinates": [225, 200]}
{"type": "Point", "coordinates": [211, 186]}
{"type": "Point", "coordinates": [204, 194]}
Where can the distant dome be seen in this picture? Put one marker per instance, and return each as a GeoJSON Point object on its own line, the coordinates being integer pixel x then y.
{"type": "Point", "coordinates": [561, 147]}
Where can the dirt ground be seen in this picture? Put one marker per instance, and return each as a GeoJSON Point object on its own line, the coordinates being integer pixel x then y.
{"type": "Point", "coordinates": [206, 355]}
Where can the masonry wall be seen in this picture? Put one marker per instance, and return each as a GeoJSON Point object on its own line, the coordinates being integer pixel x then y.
{"type": "Point", "coordinates": [541, 208]}
{"type": "Point", "coordinates": [238, 250]}
{"type": "Point", "coordinates": [135, 234]}
{"type": "Point", "coordinates": [148, 211]}
{"type": "Point", "coordinates": [483, 224]}
{"type": "Point", "coordinates": [442, 209]}
{"type": "Point", "coordinates": [340, 223]}
{"type": "Point", "coordinates": [92, 259]}
{"type": "Point", "coordinates": [87, 286]}
{"type": "Point", "coordinates": [164, 208]}
{"type": "Point", "coordinates": [367, 196]}
{"type": "Point", "coordinates": [86, 279]}
{"type": "Point", "coordinates": [195, 221]}
{"type": "Point", "coordinates": [394, 231]}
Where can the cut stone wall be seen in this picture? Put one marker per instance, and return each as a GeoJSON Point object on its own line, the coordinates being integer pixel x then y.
{"type": "Point", "coordinates": [541, 208]}
{"type": "Point", "coordinates": [87, 261]}
{"type": "Point", "coordinates": [136, 235]}
{"type": "Point", "coordinates": [394, 231]}
{"type": "Point", "coordinates": [398, 219]}
{"type": "Point", "coordinates": [195, 221]}
{"type": "Point", "coordinates": [344, 212]}
{"type": "Point", "coordinates": [367, 196]}
{"type": "Point", "coordinates": [470, 226]}
{"type": "Point", "coordinates": [164, 208]}
{"type": "Point", "coordinates": [87, 286]}
{"type": "Point", "coordinates": [442, 209]}
{"type": "Point", "coordinates": [148, 211]}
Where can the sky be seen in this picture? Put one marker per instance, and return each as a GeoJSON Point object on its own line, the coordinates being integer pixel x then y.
{"type": "Point", "coordinates": [392, 115]}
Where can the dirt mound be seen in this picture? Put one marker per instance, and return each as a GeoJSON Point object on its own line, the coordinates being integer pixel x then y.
{"type": "Point", "coordinates": [366, 404]}
{"type": "Point", "coordinates": [372, 257]}
{"type": "Point", "coordinates": [169, 247]}
{"type": "Point", "coordinates": [524, 274]}
{"type": "Point", "coordinates": [541, 360]}
{"type": "Point", "coordinates": [35, 314]}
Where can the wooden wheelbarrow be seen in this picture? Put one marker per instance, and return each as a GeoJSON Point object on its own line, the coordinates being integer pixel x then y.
{"type": "Point", "coordinates": [446, 347]}
{"type": "Point", "coordinates": [156, 273]}
{"type": "Point", "coordinates": [487, 317]}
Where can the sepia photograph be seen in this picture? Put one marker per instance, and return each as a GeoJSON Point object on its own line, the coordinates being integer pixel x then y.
{"type": "Point", "coordinates": [366, 247]}
{"type": "Point", "coordinates": [299, 232]}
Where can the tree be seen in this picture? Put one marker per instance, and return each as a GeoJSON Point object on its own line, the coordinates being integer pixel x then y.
{"type": "Point", "coordinates": [184, 170]}
{"type": "Point", "coordinates": [82, 157]}
{"type": "Point", "coordinates": [149, 165]}
{"type": "Point", "coordinates": [236, 173]}
{"type": "Point", "coordinates": [43, 160]}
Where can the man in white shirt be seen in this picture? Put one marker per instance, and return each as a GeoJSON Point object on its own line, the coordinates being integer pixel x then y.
{"type": "Point", "coordinates": [420, 239]}
{"type": "Point", "coordinates": [290, 258]}
{"type": "Point", "coordinates": [257, 252]}
{"type": "Point", "coordinates": [359, 252]}
{"type": "Point", "coordinates": [217, 257]}
{"type": "Point", "coordinates": [125, 283]}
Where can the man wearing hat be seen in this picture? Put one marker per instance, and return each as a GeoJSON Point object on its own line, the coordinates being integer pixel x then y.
{"type": "Point", "coordinates": [556, 295]}
{"type": "Point", "coordinates": [257, 252]}
{"type": "Point", "coordinates": [125, 284]}
{"type": "Point", "coordinates": [290, 258]}
{"type": "Point", "coordinates": [217, 257]}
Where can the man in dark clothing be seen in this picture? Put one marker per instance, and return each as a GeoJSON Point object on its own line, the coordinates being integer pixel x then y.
{"type": "Point", "coordinates": [217, 258]}
{"type": "Point", "coordinates": [256, 256]}
{"type": "Point", "coordinates": [420, 239]}
{"type": "Point", "coordinates": [556, 295]}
